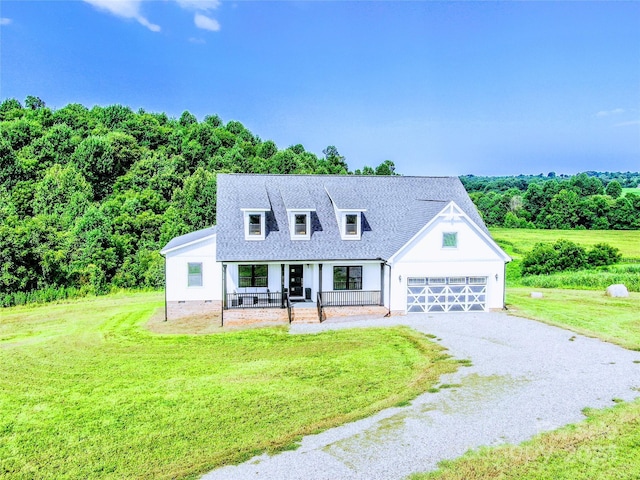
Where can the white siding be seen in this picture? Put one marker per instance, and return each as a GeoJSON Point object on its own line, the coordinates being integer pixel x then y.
{"type": "Point", "coordinates": [177, 272]}
{"type": "Point", "coordinates": [426, 257]}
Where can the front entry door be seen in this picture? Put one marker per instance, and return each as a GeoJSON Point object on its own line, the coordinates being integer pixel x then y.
{"type": "Point", "coordinates": [295, 281]}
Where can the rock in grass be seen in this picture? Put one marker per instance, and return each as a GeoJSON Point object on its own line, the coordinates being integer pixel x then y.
{"type": "Point", "coordinates": [617, 290]}
{"type": "Point", "coordinates": [536, 294]}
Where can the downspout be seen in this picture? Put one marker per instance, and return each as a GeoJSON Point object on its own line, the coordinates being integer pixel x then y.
{"type": "Point", "coordinates": [504, 288]}
{"type": "Point", "coordinates": [165, 288]}
{"type": "Point", "coordinates": [384, 262]}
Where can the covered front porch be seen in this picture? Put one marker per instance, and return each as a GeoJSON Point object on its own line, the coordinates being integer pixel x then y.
{"type": "Point", "coordinates": [264, 286]}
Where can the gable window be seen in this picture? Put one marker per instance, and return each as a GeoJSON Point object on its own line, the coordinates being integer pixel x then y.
{"type": "Point", "coordinates": [351, 224]}
{"type": "Point", "coordinates": [449, 240]}
{"type": "Point", "coordinates": [194, 275]}
{"type": "Point", "coordinates": [252, 275]}
{"type": "Point", "coordinates": [300, 224]}
{"type": "Point", "coordinates": [255, 224]}
{"type": "Point", "coordinates": [347, 278]}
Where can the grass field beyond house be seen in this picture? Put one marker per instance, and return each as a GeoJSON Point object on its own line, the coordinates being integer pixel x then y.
{"type": "Point", "coordinates": [521, 241]}
{"type": "Point", "coordinates": [85, 392]}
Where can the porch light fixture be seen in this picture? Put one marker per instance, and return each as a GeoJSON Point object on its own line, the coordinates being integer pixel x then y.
{"type": "Point", "coordinates": [496, 277]}
{"type": "Point", "coordinates": [400, 278]}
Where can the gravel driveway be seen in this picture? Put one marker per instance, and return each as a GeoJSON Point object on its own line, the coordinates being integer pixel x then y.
{"type": "Point", "coordinates": [526, 378]}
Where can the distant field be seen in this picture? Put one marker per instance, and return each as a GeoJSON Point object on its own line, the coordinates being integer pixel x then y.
{"type": "Point", "coordinates": [520, 240]}
{"type": "Point", "coordinates": [631, 190]}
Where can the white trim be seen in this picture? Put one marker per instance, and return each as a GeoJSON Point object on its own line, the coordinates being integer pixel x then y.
{"type": "Point", "coordinates": [263, 227]}
{"type": "Point", "coordinates": [452, 211]}
{"type": "Point", "coordinates": [188, 244]}
{"type": "Point", "coordinates": [291, 218]}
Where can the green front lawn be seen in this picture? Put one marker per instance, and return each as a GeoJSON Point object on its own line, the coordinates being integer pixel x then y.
{"type": "Point", "coordinates": [615, 320]}
{"type": "Point", "coordinates": [86, 392]}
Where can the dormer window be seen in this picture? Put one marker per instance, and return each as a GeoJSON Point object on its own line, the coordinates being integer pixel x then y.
{"type": "Point", "coordinates": [254, 225]}
{"type": "Point", "coordinates": [300, 224]}
{"type": "Point", "coordinates": [351, 224]}
{"type": "Point", "coordinates": [301, 221]}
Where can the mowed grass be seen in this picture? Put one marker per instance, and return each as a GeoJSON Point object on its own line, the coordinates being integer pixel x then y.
{"type": "Point", "coordinates": [518, 242]}
{"type": "Point", "coordinates": [607, 444]}
{"type": "Point", "coordinates": [605, 447]}
{"type": "Point", "coordinates": [523, 240]}
{"type": "Point", "coordinates": [87, 392]}
{"type": "Point", "coordinates": [590, 312]}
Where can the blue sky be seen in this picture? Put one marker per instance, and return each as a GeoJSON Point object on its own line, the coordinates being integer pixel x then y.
{"type": "Point", "coordinates": [440, 88]}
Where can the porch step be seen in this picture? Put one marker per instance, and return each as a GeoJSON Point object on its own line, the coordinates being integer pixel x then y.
{"type": "Point", "coordinates": [305, 314]}
{"type": "Point", "coordinates": [372, 311]}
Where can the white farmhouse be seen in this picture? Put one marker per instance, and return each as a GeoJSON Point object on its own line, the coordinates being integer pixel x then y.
{"type": "Point", "coordinates": [345, 245]}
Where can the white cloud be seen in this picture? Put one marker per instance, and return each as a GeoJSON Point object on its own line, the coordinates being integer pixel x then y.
{"type": "Point", "coordinates": [206, 23]}
{"type": "Point", "coordinates": [124, 9]}
{"type": "Point", "coordinates": [197, 41]}
{"type": "Point", "coordinates": [205, 5]}
{"type": "Point", "coordinates": [607, 113]}
{"type": "Point", "coordinates": [5, 21]}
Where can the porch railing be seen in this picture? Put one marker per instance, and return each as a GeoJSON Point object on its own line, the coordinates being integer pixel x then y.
{"type": "Point", "coordinates": [349, 298]}
{"type": "Point", "coordinates": [256, 300]}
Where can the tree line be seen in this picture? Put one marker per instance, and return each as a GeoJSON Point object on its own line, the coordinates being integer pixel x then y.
{"type": "Point", "coordinates": [589, 200]}
{"type": "Point", "coordinates": [88, 196]}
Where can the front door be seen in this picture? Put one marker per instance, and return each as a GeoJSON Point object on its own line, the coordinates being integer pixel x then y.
{"type": "Point", "coordinates": [295, 281]}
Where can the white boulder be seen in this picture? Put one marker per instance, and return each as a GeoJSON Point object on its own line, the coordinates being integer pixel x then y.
{"type": "Point", "coordinates": [536, 294]}
{"type": "Point", "coordinates": [617, 290]}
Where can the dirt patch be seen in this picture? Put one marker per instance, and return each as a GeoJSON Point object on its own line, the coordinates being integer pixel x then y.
{"type": "Point", "coordinates": [196, 325]}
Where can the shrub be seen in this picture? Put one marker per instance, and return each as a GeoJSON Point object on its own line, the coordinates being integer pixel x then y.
{"type": "Point", "coordinates": [564, 255]}
{"type": "Point", "coordinates": [603, 254]}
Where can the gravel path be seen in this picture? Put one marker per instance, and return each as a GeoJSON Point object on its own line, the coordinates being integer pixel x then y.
{"type": "Point", "coordinates": [526, 378]}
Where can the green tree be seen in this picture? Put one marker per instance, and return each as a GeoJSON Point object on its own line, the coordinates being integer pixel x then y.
{"type": "Point", "coordinates": [34, 103]}
{"type": "Point", "coordinates": [197, 199]}
{"type": "Point", "coordinates": [64, 193]}
{"type": "Point", "coordinates": [614, 189]}
{"type": "Point", "coordinates": [386, 168]}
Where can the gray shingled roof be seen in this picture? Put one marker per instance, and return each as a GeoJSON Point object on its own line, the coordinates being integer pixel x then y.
{"type": "Point", "coordinates": [188, 238]}
{"type": "Point", "coordinates": [397, 208]}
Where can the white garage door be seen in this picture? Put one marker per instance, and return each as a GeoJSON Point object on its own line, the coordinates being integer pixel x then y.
{"type": "Point", "coordinates": [446, 294]}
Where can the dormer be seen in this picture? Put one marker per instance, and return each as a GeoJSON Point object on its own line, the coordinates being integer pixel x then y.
{"type": "Point", "coordinates": [254, 223]}
{"type": "Point", "coordinates": [300, 223]}
{"type": "Point", "coordinates": [348, 213]}
{"type": "Point", "coordinates": [299, 205]}
{"type": "Point", "coordinates": [254, 205]}
{"type": "Point", "coordinates": [350, 222]}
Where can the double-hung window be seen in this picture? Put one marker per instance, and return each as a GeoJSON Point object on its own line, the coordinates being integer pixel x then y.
{"type": "Point", "coordinates": [194, 275]}
{"type": "Point", "coordinates": [252, 275]}
{"type": "Point", "coordinates": [255, 224]}
{"type": "Point", "coordinates": [347, 278]}
{"type": "Point", "coordinates": [351, 224]}
{"type": "Point", "coordinates": [300, 224]}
